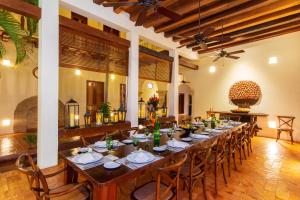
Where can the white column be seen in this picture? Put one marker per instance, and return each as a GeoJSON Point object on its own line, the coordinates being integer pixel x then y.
{"type": "Point", "coordinates": [133, 79]}
{"type": "Point", "coordinates": [173, 87]}
{"type": "Point", "coordinates": [47, 146]}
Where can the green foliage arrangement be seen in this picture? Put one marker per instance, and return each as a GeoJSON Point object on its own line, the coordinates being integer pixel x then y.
{"type": "Point", "coordinates": [105, 108]}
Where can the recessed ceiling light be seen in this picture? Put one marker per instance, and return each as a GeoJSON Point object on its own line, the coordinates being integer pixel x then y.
{"type": "Point", "coordinates": [212, 69]}
{"type": "Point", "coordinates": [77, 72]}
{"type": "Point", "coordinates": [273, 60]}
{"type": "Point", "coordinates": [6, 63]}
{"type": "Point", "coordinates": [6, 122]}
{"type": "Point", "coordinates": [150, 85]}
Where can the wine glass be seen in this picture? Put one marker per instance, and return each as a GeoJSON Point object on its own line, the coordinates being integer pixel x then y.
{"type": "Point", "coordinates": [135, 142]}
{"type": "Point", "coordinates": [109, 143]}
{"type": "Point", "coordinates": [170, 134]}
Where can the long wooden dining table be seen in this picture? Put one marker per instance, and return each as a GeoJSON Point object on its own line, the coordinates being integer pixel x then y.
{"type": "Point", "coordinates": [104, 181]}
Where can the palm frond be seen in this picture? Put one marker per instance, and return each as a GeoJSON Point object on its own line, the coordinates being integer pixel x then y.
{"type": "Point", "coordinates": [32, 24]}
{"type": "Point", "coordinates": [13, 28]}
{"type": "Point", "coordinates": [2, 50]}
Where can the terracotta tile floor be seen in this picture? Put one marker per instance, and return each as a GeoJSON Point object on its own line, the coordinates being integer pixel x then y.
{"type": "Point", "coordinates": [271, 172]}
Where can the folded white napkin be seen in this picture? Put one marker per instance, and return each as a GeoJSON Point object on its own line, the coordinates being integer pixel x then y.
{"type": "Point", "coordinates": [164, 130]}
{"type": "Point", "coordinates": [177, 144]}
{"type": "Point", "coordinates": [141, 157]}
{"type": "Point", "coordinates": [101, 144]}
{"type": "Point", "coordinates": [217, 131]}
{"type": "Point", "coordinates": [198, 136]}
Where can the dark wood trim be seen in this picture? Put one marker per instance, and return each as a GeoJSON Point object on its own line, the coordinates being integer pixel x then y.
{"type": "Point", "coordinates": [21, 7]}
{"type": "Point", "coordinates": [185, 62]}
{"type": "Point", "coordinates": [156, 54]}
{"type": "Point", "coordinates": [87, 30]}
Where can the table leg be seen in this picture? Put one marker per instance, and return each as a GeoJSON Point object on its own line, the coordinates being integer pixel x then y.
{"type": "Point", "coordinates": [108, 192]}
{"type": "Point", "coordinates": [71, 176]}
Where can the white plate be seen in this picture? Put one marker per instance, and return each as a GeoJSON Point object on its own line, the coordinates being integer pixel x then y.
{"type": "Point", "coordinates": [140, 157]}
{"type": "Point", "coordinates": [140, 136]}
{"type": "Point", "coordinates": [111, 165]}
{"type": "Point", "coordinates": [160, 148]}
{"type": "Point", "coordinates": [87, 158]}
{"type": "Point", "coordinates": [127, 141]}
{"type": "Point", "coordinates": [199, 136]}
{"type": "Point", "coordinates": [187, 139]}
{"type": "Point", "coordinates": [204, 133]}
{"type": "Point", "coordinates": [100, 144]}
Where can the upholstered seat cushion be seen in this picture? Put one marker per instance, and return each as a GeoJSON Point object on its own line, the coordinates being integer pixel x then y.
{"type": "Point", "coordinates": [148, 192]}
{"type": "Point", "coordinates": [81, 193]}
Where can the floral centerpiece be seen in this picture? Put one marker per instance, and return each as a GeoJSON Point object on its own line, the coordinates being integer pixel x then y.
{"type": "Point", "coordinates": [153, 103]}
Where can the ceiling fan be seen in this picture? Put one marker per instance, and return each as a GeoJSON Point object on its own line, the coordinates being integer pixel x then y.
{"type": "Point", "coordinates": [147, 4]}
{"type": "Point", "coordinates": [201, 38]}
{"type": "Point", "coordinates": [225, 54]}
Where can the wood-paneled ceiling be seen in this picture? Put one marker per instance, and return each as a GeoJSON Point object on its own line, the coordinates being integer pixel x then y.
{"type": "Point", "coordinates": [244, 21]}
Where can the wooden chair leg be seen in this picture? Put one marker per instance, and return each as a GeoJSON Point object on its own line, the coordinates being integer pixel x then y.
{"type": "Point", "coordinates": [292, 139]}
{"type": "Point", "coordinates": [240, 151]}
{"type": "Point", "coordinates": [216, 178]}
{"type": "Point", "coordinates": [190, 188]}
{"type": "Point", "coordinates": [278, 135]}
{"type": "Point", "coordinates": [233, 157]}
{"type": "Point", "coordinates": [248, 149]}
{"type": "Point", "coordinates": [224, 173]}
{"type": "Point", "coordinates": [244, 151]}
{"type": "Point", "coordinates": [204, 186]}
{"type": "Point", "coordinates": [251, 146]}
{"type": "Point", "coordinates": [228, 160]}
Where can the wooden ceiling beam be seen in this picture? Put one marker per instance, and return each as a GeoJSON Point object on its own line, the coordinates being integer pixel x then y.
{"type": "Point", "coordinates": [187, 63]}
{"type": "Point", "coordinates": [21, 7]}
{"type": "Point", "coordinates": [256, 30]}
{"type": "Point", "coordinates": [235, 15]}
{"type": "Point", "coordinates": [210, 10]}
{"type": "Point", "coordinates": [253, 25]}
{"type": "Point", "coordinates": [256, 36]}
{"type": "Point", "coordinates": [181, 7]}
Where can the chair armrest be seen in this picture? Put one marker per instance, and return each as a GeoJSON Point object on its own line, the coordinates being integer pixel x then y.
{"type": "Point", "coordinates": [55, 173]}
{"type": "Point", "coordinates": [57, 194]}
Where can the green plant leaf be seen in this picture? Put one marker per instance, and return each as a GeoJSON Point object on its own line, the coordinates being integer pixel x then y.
{"type": "Point", "coordinates": [13, 28]}
{"type": "Point", "coordinates": [32, 23]}
{"type": "Point", "coordinates": [2, 50]}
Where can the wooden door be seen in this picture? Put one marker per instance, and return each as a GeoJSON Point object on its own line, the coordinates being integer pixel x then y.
{"type": "Point", "coordinates": [94, 97]}
{"type": "Point", "coordinates": [181, 103]}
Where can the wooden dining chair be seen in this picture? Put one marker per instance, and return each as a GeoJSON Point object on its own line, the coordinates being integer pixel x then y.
{"type": "Point", "coordinates": [166, 184]}
{"type": "Point", "coordinates": [39, 186]}
{"type": "Point", "coordinates": [219, 157]}
{"type": "Point", "coordinates": [197, 119]}
{"type": "Point", "coordinates": [242, 142]}
{"type": "Point", "coordinates": [125, 134]}
{"type": "Point", "coordinates": [186, 121]}
{"type": "Point", "coordinates": [286, 124]}
{"type": "Point", "coordinates": [196, 168]}
{"type": "Point", "coordinates": [231, 150]}
{"type": "Point", "coordinates": [249, 136]}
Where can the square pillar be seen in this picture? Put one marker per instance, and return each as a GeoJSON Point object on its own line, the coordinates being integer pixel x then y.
{"type": "Point", "coordinates": [173, 86]}
{"type": "Point", "coordinates": [133, 79]}
{"type": "Point", "coordinates": [48, 71]}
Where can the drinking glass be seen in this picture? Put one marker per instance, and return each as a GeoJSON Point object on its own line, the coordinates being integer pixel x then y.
{"type": "Point", "coordinates": [135, 142]}
{"type": "Point", "coordinates": [170, 134]}
{"type": "Point", "coordinates": [109, 143]}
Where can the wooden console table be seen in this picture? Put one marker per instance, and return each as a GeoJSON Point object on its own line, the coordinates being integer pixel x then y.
{"type": "Point", "coordinates": [245, 117]}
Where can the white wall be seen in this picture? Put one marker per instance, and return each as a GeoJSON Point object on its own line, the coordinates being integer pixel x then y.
{"type": "Point", "coordinates": [280, 83]}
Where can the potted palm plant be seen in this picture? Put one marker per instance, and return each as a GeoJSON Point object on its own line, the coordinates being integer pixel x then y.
{"type": "Point", "coordinates": [30, 139]}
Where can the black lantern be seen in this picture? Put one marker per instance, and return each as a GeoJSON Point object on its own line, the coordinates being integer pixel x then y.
{"type": "Point", "coordinates": [122, 113]}
{"type": "Point", "coordinates": [114, 116]}
{"type": "Point", "coordinates": [142, 109]}
{"type": "Point", "coordinates": [87, 119]}
{"type": "Point", "coordinates": [72, 114]}
{"type": "Point", "coordinates": [164, 111]}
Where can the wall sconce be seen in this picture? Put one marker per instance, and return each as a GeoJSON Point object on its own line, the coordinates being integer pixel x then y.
{"type": "Point", "coordinates": [273, 60]}
{"type": "Point", "coordinates": [77, 72]}
{"type": "Point", "coordinates": [6, 122]}
{"type": "Point", "coordinates": [6, 63]}
{"type": "Point", "coordinates": [272, 124]}
{"type": "Point", "coordinates": [112, 77]}
{"type": "Point", "coordinates": [212, 69]}
{"type": "Point", "coordinates": [150, 85]}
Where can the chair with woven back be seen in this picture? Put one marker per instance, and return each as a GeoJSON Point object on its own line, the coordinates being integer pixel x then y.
{"type": "Point", "coordinates": [219, 157]}
{"type": "Point", "coordinates": [195, 169]}
{"type": "Point", "coordinates": [197, 119]}
{"type": "Point", "coordinates": [249, 136]}
{"type": "Point", "coordinates": [286, 124]}
{"type": "Point", "coordinates": [39, 185]}
{"type": "Point", "coordinates": [166, 185]}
